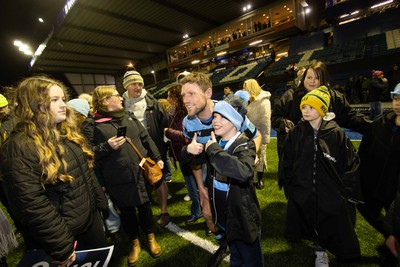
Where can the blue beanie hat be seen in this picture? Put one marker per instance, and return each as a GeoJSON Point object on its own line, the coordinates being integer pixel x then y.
{"type": "Point", "coordinates": [396, 91]}
{"type": "Point", "coordinates": [79, 105]}
{"type": "Point", "coordinates": [244, 95]}
{"type": "Point", "coordinates": [227, 111]}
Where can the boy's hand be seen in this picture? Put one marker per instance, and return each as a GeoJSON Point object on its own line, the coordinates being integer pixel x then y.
{"type": "Point", "coordinates": [195, 148]}
{"type": "Point", "coordinates": [212, 140]}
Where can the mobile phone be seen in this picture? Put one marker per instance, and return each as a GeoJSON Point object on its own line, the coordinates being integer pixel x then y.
{"type": "Point", "coordinates": [121, 131]}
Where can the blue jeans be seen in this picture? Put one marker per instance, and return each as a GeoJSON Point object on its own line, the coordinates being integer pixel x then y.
{"type": "Point", "coordinates": [195, 209]}
{"type": "Point", "coordinates": [249, 255]}
{"type": "Point", "coordinates": [167, 171]}
{"type": "Point", "coordinates": [376, 110]}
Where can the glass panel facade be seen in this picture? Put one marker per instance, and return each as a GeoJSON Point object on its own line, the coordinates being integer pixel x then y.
{"type": "Point", "coordinates": [220, 38]}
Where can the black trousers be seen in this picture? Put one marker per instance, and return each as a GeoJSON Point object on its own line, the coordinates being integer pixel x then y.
{"type": "Point", "coordinates": [372, 213]}
{"type": "Point", "coordinates": [130, 220]}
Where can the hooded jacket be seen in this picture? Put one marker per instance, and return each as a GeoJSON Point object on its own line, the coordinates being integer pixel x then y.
{"type": "Point", "coordinates": [243, 210]}
{"type": "Point", "coordinates": [259, 113]}
{"type": "Point", "coordinates": [287, 109]}
{"type": "Point", "coordinates": [320, 172]}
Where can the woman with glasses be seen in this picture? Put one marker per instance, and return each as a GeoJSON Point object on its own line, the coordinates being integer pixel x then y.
{"type": "Point", "coordinates": [117, 165]}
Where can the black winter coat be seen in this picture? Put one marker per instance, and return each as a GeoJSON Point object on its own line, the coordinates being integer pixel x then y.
{"type": "Point", "coordinates": [6, 127]}
{"type": "Point", "coordinates": [376, 88]}
{"type": "Point", "coordinates": [318, 185]}
{"type": "Point", "coordinates": [156, 122]}
{"type": "Point", "coordinates": [380, 160]}
{"type": "Point", "coordinates": [51, 214]}
{"type": "Point", "coordinates": [288, 108]}
{"type": "Point", "coordinates": [243, 210]}
{"type": "Point", "coordinates": [120, 170]}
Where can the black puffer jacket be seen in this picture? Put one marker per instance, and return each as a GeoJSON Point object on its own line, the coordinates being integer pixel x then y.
{"type": "Point", "coordinates": [51, 214]}
{"type": "Point", "coordinates": [119, 169]}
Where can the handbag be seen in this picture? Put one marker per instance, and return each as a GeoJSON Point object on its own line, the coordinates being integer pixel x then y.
{"type": "Point", "coordinates": [152, 171]}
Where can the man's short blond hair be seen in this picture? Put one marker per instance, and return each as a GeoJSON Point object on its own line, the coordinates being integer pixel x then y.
{"type": "Point", "coordinates": [202, 80]}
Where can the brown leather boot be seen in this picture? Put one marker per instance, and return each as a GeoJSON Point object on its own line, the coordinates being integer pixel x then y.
{"type": "Point", "coordinates": [133, 257]}
{"type": "Point", "coordinates": [155, 249]}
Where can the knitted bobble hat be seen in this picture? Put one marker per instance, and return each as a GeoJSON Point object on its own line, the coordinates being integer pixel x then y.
{"type": "Point", "coordinates": [319, 99]}
{"type": "Point", "coordinates": [132, 76]}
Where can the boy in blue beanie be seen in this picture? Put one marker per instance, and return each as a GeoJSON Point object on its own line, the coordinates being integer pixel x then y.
{"type": "Point", "coordinates": [197, 126]}
{"type": "Point", "coordinates": [235, 206]}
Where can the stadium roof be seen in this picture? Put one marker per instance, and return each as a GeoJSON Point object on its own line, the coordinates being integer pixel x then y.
{"type": "Point", "coordinates": [94, 36]}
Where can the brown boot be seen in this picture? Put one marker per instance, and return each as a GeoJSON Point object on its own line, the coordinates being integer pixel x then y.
{"type": "Point", "coordinates": [133, 257]}
{"type": "Point", "coordinates": [155, 249]}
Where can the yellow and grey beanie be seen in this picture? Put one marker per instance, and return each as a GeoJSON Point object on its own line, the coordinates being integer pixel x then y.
{"type": "Point", "coordinates": [132, 76]}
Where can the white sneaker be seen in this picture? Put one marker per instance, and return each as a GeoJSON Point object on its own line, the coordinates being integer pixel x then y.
{"type": "Point", "coordinates": [186, 198]}
{"type": "Point", "coordinates": [321, 259]}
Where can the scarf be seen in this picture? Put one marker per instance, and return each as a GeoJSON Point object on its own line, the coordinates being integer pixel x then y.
{"type": "Point", "coordinates": [115, 114]}
{"type": "Point", "coordinates": [132, 100]}
{"type": "Point", "coordinates": [7, 237]}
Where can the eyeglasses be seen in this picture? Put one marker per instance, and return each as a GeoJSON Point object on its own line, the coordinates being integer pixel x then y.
{"type": "Point", "coordinates": [117, 95]}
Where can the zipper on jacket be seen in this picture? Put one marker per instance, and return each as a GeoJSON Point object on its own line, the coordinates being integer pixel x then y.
{"type": "Point", "coordinates": [314, 173]}
{"type": "Point", "coordinates": [229, 186]}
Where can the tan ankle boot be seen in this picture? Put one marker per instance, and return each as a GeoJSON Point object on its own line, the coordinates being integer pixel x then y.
{"type": "Point", "coordinates": [133, 257]}
{"type": "Point", "coordinates": [155, 249]}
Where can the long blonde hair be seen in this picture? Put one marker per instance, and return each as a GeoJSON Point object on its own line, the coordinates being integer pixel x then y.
{"type": "Point", "coordinates": [37, 122]}
{"type": "Point", "coordinates": [254, 89]}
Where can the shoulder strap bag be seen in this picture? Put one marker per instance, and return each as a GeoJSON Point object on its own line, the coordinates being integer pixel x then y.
{"type": "Point", "coordinates": [152, 171]}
